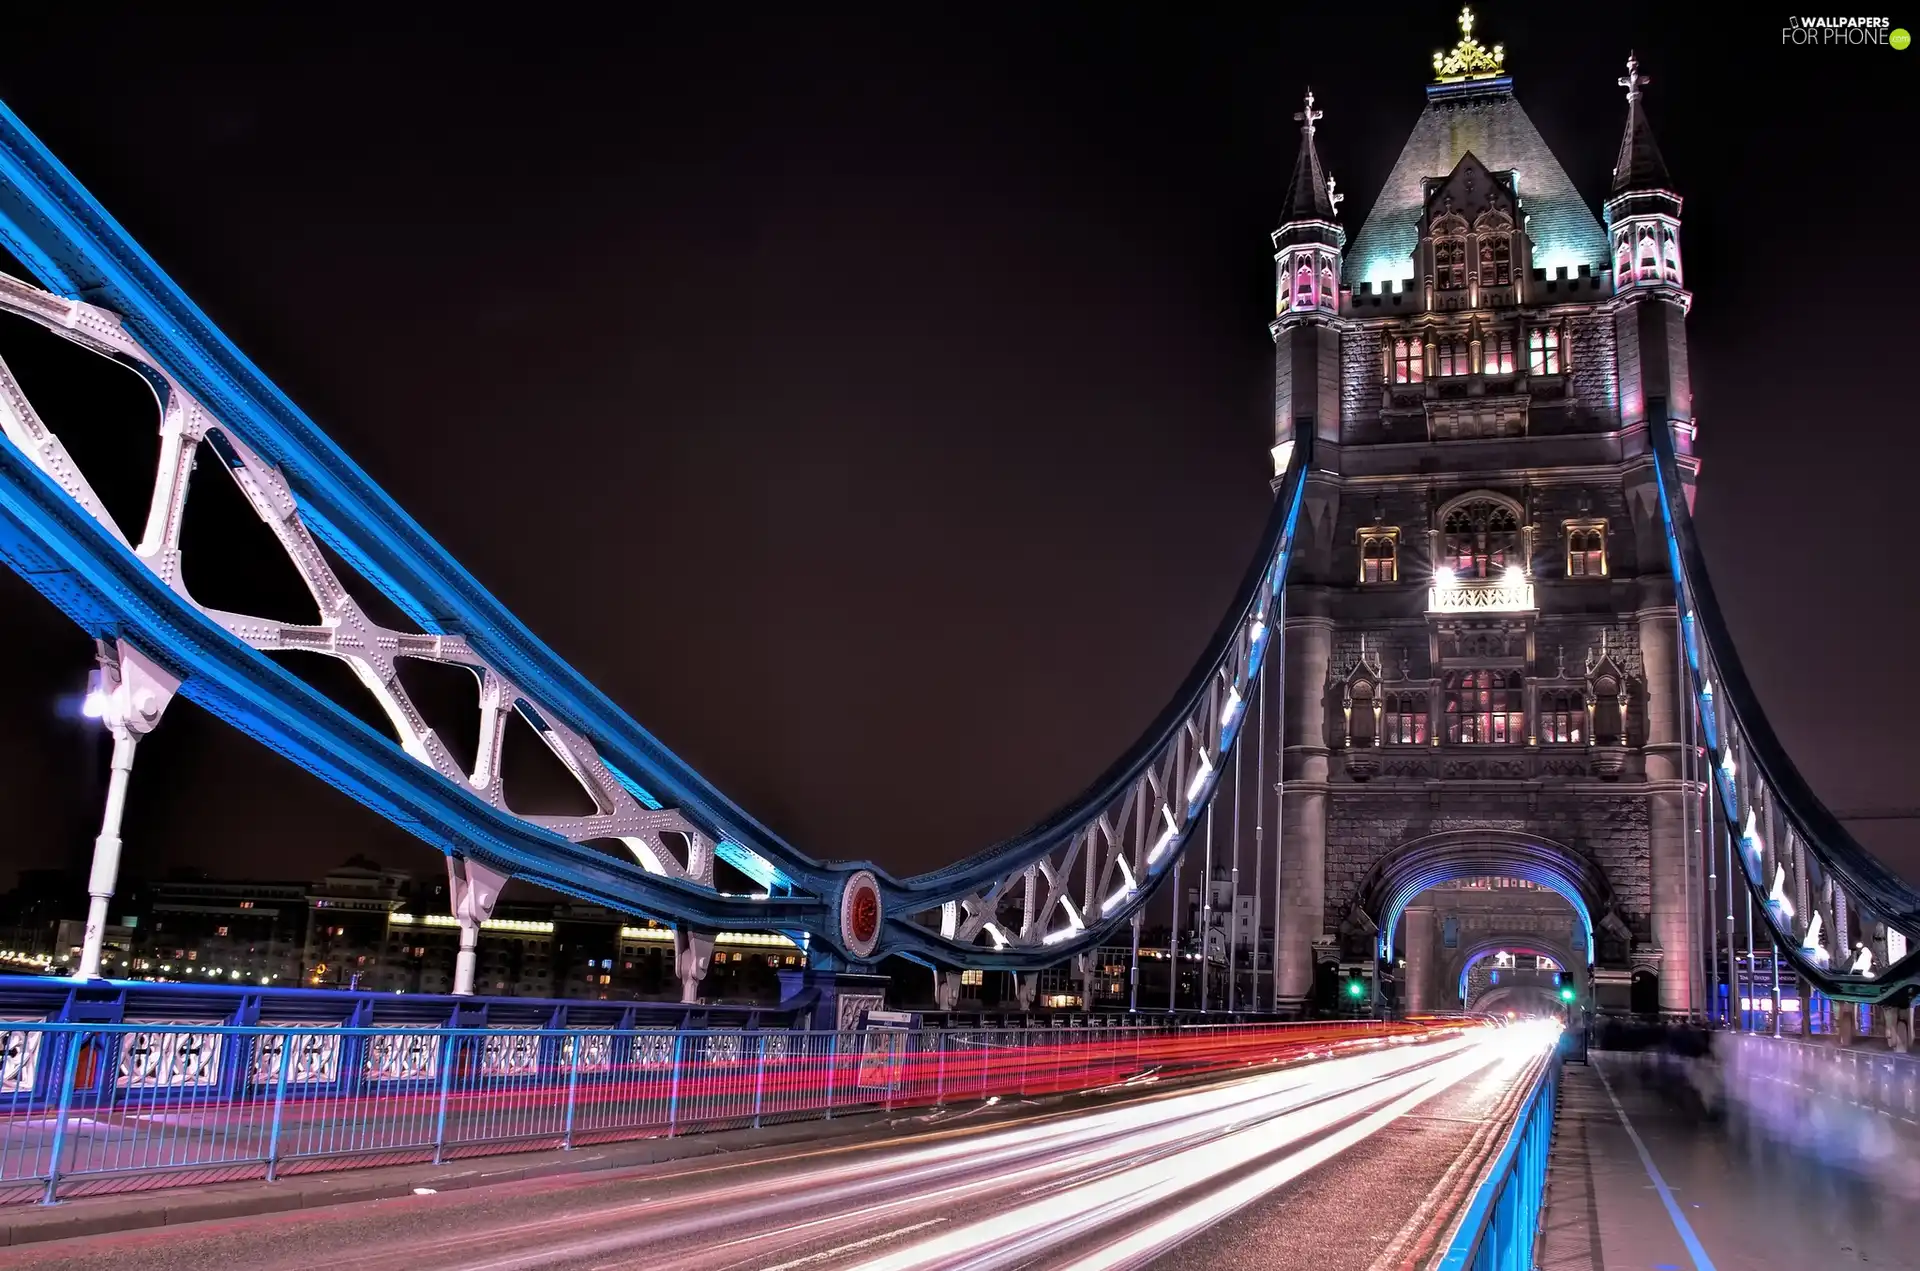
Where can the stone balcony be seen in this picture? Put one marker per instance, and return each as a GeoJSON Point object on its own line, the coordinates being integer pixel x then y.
{"type": "Point", "coordinates": [1512, 593]}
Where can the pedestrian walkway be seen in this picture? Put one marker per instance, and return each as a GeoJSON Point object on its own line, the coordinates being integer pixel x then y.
{"type": "Point", "coordinates": [1656, 1166]}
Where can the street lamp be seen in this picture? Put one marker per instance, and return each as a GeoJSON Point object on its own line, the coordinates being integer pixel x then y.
{"type": "Point", "coordinates": [128, 693]}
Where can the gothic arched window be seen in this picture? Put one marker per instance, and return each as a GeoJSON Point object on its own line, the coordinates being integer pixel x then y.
{"type": "Point", "coordinates": [1379, 561]}
{"type": "Point", "coordinates": [1405, 720]}
{"type": "Point", "coordinates": [1450, 252]}
{"type": "Point", "coordinates": [1649, 262]}
{"type": "Point", "coordinates": [1484, 707]}
{"type": "Point", "coordinates": [1670, 267]}
{"type": "Point", "coordinates": [1586, 551]}
{"type": "Point", "coordinates": [1607, 727]}
{"type": "Point", "coordinates": [1360, 715]}
{"type": "Point", "coordinates": [1623, 263]}
{"type": "Point", "coordinates": [1480, 539]}
{"type": "Point", "coordinates": [1451, 352]}
{"type": "Point", "coordinates": [1328, 291]}
{"type": "Point", "coordinates": [1563, 717]}
{"type": "Point", "coordinates": [1499, 353]}
{"type": "Point", "coordinates": [1409, 361]}
{"type": "Point", "coordinates": [1543, 351]}
{"type": "Point", "coordinates": [1303, 285]}
{"type": "Point", "coordinates": [1496, 261]}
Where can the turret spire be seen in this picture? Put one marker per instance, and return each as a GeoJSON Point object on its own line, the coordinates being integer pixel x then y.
{"type": "Point", "coordinates": [1639, 166]}
{"type": "Point", "coordinates": [1310, 195]}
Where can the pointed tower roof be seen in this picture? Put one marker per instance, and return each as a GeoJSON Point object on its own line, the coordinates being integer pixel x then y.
{"type": "Point", "coordinates": [1310, 194]}
{"type": "Point", "coordinates": [1471, 107]}
{"type": "Point", "coordinates": [1639, 166]}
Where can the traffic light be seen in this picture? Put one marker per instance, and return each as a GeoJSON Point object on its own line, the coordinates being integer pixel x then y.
{"type": "Point", "coordinates": [1356, 989]}
{"type": "Point", "coordinates": [1566, 992]}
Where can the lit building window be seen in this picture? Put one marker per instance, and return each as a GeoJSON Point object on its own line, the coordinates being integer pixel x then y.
{"type": "Point", "coordinates": [1480, 539]}
{"type": "Point", "coordinates": [1543, 351]}
{"type": "Point", "coordinates": [974, 978]}
{"type": "Point", "coordinates": [1379, 556]}
{"type": "Point", "coordinates": [1452, 355]}
{"type": "Point", "coordinates": [1484, 707]}
{"type": "Point", "coordinates": [1586, 550]}
{"type": "Point", "coordinates": [1563, 717]}
{"type": "Point", "coordinates": [1409, 361]}
{"type": "Point", "coordinates": [1404, 722]}
{"type": "Point", "coordinates": [1499, 353]}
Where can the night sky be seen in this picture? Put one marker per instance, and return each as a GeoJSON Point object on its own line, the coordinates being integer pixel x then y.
{"type": "Point", "coordinates": [877, 406]}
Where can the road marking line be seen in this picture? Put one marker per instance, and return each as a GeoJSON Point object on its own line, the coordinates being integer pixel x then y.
{"type": "Point", "coordinates": [1701, 1262]}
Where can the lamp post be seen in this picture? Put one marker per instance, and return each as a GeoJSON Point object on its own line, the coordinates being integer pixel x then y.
{"type": "Point", "coordinates": [128, 693]}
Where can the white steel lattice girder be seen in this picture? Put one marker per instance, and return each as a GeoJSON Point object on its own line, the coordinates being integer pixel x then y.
{"type": "Point", "coordinates": [1123, 835]}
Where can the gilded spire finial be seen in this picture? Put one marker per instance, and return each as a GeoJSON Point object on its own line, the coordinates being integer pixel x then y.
{"type": "Point", "coordinates": [1634, 80]}
{"type": "Point", "coordinates": [1308, 116]}
{"type": "Point", "coordinates": [1333, 196]}
{"type": "Point", "coordinates": [1469, 59]}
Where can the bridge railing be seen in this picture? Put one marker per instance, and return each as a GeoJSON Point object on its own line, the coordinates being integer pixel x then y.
{"type": "Point", "coordinates": [90, 1108]}
{"type": "Point", "coordinates": [1497, 1229]}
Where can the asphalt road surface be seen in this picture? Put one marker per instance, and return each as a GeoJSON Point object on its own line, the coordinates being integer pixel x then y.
{"type": "Point", "coordinates": [1324, 1166]}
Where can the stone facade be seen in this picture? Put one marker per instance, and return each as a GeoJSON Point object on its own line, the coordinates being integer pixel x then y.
{"type": "Point", "coordinates": [1480, 619]}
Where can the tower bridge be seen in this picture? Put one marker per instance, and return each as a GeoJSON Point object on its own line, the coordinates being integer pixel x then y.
{"type": "Point", "coordinates": [1477, 640]}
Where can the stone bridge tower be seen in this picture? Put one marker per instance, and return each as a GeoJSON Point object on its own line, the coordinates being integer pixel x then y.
{"type": "Point", "coordinates": [1481, 655]}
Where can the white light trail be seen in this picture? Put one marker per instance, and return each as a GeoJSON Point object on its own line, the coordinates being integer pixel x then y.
{"type": "Point", "coordinates": [1378, 1088]}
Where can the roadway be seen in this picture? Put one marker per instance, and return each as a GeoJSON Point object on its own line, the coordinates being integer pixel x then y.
{"type": "Point", "coordinates": [1328, 1166]}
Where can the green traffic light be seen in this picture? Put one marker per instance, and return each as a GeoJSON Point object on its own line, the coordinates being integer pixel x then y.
{"type": "Point", "coordinates": [1566, 993]}
{"type": "Point", "coordinates": [1355, 989]}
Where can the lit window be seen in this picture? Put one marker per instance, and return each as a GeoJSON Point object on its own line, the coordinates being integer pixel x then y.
{"type": "Point", "coordinates": [1587, 550]}
{"type": "Point", "coordinates": [219, 931]}
{"type": "Point", "coordinates": [1623, 264]}
{"type": "Point", "coordinates": [1563, 717]}
{"type": "Point", "coordinates": [1499, 353]}
{"type": "Point", "coordinates": [1543, 351]}
{"type": "Point", "coordinates": [1379, 556]}
{"type": "Point", "coordinates": [1405, 720]}
{"type": "Point", "coordinates": [973, 977]}
{"type": "Point", "coordinates": [1453, 357]}
{"type": "Point", "coordinates": [1670, 269]}
{"type": "Point", "coordinates": [1484, 707]}
{"type": "Point", "coordinates": [1409, 361]}
{"type": "Point", "coordinates": [1481, 538]}
{"type": "Point", "coordinates": [1649, 263]}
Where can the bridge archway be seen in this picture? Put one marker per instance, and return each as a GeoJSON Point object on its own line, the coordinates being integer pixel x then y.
{"type": "Point", "coordinates": [1521, 1000]}
{"type": "Point", "coordinates": [1434, 859]}
{"type": "Point", "coordinates": [1459, 965]}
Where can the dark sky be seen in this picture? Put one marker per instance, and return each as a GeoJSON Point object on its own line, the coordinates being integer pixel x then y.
{"type": "Point", "coordinates": [876, 404]}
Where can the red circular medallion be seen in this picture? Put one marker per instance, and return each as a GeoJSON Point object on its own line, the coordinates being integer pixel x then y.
{"type": "Point", "coordinates": [861, 914]}
{"type": "Point", "coordinates": [866, 915]}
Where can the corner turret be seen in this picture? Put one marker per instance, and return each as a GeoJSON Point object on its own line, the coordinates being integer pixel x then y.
{"type": "Point", "coordinates": [1307, 263]}
{"type": "Point", "coordinates": [1643, 226]}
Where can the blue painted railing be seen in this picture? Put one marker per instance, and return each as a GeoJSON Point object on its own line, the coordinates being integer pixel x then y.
{"type": "Point", "coordinates": [1497, 1231]}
